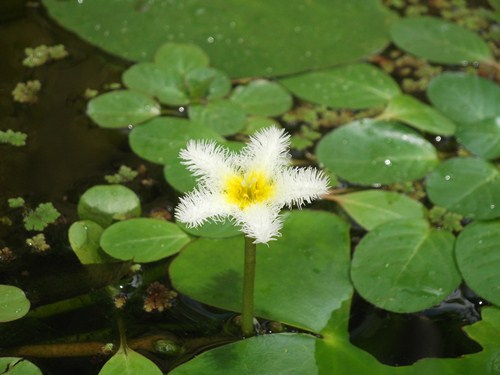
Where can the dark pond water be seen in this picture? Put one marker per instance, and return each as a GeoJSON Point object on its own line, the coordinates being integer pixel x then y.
{"type": "Point", "coordinates": [66, 154]}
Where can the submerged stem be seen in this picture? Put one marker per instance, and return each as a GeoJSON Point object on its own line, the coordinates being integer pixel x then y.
{"type": "Point", "coordinates": [248, 288]}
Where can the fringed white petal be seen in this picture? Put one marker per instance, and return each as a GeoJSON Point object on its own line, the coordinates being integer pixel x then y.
{"type": "Point", "coordinates": [208, 162]}
{"type": "Point", "coordinates": [267, 151]}
{"type": "Point", "coordinates": [259, 222]}
{"type": "Point", "coordinates": [297, 186]}
{"type": "Point", "coordinates": [198, 206]}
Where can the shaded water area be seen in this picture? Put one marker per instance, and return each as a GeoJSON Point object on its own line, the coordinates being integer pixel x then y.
{"type": "Point", "coordinates": [65, 155]}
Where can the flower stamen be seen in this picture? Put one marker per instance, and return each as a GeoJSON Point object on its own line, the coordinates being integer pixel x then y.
{"type": "Point", "coordinates": [245, 190]}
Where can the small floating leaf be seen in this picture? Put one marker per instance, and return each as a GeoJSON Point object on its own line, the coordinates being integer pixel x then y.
{"type": "Point", "coordinates": [376, 152]}
{"type": "Point", "coordinates": [105, 203]}
{"type": "Point", "coordinates": [84, 239]}
{"type": "Point", "coordinates": [41, 217]}
{"type": "Point", "coordinates": [161, 141]}
{"type": "Point", "coordinates": [262, 98]}
{"type": "Point", "coordinates": [143, 240]}
{"type": "Point", "coordinates": [128, 362]}
{"type": "Point", "coordinates": [374, 207]}
{"type": "Point", "coordinates": [224, 117]}
{"type": "Point", "coordinates": [211, 229]}
{"type": "Point", "coordinates": [119, 109]}
{"type": "Point", "coordinates": [13, 303]}
{"type": "Point", "coordinates": [354, 86]}
{"type": "Point", "coordinates": [482, 138]}
{"type": "Point", "coordinates": [468, 186]}
{"type": "Point", "coordinates": [409, 110]}
{"type": "Point", "coordinates": [149, 78]}
{"type": "Point", "coordinates": [439, 41]}
{"type": "Point", "coordinates": [180, 58]}
{"type": "Point", "coordinates": [465, 98]}
{"type": "Point", "coordinates": [405, 266]}
{"type": "Point", "coordinates": [478, 258]}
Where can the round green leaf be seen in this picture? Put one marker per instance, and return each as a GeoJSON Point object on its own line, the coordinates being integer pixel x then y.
{"type": "Point", "coordinates": [119, 109]}
{"type": "Point", "coordinates": [161, 140]}
{"type": "Point", "coordinates": [409, 110]}
{"type": "Point", "coordinates": [105, 203]}
{"type": "Point", "coordinates": [212, 229]}
{"type": "Point", "coordinates": [374, 207]}
{"type": "Point", "coordinates": [256, 123]}
{"type": "Point", "coordinates": [84, 237]}
{"type": "Point", "coordinates": [13, 303]}
{"type": "Point", "coordinates": [468, 186]}
{"type": "Point", "coordinates": [314, 245]}
{"type": "Point", "coordinates": [405, 266]}
{"type": "Point", "coordinates": [478, 258]}
{"type": "Point", "coordinates": [439, 40]}
{"type": "Point", "coordinates": [149, 78]}
{"type": "Point", "coordinates": [143, 240]}
{"type": "Point", "coordinates": [224, 117]}
{"type": "Point", "coordinates": [180, 58]}
{"type": "Point", "coordinates": [482, 138]}
{"type": "Point", "coordinates": [376, 152]}
{"type": "Point", "coordinates": [220, 86]}
{"type": "Point", "coordinates": [465, 98]}
{"type": "Point", "coordinates": [242, 38]}
{"type": "Point", "coordinates": [263, 355]}
{"type": "Point", "coordinates": [18, 366]}
{"type": "Point", "coordinates": [262, 98]}
{"type": "Point", "coordinates": [129, 362]}
{"type": "Point", "coordinates": [353, 86]}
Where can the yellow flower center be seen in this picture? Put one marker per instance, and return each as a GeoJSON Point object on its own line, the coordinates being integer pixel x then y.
{"type": "Point", "coordinates": [253, 187]}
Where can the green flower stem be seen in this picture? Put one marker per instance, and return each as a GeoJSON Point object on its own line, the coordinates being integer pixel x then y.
{"type": "Point", "coordinates": [248, 288]}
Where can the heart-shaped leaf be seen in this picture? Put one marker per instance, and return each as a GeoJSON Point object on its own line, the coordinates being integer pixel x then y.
{"type": "Point", "coordinates": [374, 207]}
{"type": "Point", "coordinates": [405, 266]}
{"type": "Point", "coordinates": [376, 152]}
{"type": "Point", "coordinates": [439, 40]}
{"type": "Point", "coordinates": [119, 109]}
{"type": "Point", "coordinates": [105, 203]}
{"type": "Point", "coordinates": [18, 366]}
{"type": "Point", "coordinates": [13, 303]}
{"type": "Point", "coordinates": [143, 240]}
{"type": "Point", "coordinates": [262, 98]}
{"type": "Point", "coordinates": [353, 86]}
{"type": "Point", "coordinates": [224, 117]}
{"type": "Point", "coordinates": [482, 137]}
{"type": "Point", "coordinates": [128, 362]}
{"type": "Point", "coordinates": [314, 245]}
{"type": "Point", "coordinates": [465, 98]}
{"type": "Point", "coordinates": [478, 258]}
{"type": "Point", "coordinates": [468, 186]}
{"type": "Point", "coordinates": [84, 237]}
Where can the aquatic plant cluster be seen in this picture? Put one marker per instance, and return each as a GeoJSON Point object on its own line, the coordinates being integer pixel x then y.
{"type": "Point", "coordinates": [406, 223]}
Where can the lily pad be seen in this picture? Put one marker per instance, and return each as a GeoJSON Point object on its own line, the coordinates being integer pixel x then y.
{"type": "Point", "coordinates": [128, 362]}
{"type": "Point", "coordinates": [262, 98]}
{"type": "Point", "coordinates": [478, 258]}
{"type": "Point", "coordinates": [161, 140]}
{"type": "Point", "coordinates": [149, 78]}
{"type": "Point", "coordinates": [374, 207]}
{"type": "Point", "coordinates": [224, 117]}
{"type": "Point", "coordinates": [376, 152]}
{"type": "Point", "coordinates": [119, 109]}
{"type": "Point", "coordinates": [84, 237]}
{"type": "Point", "coordinates": [18, 366]}
{"type": "Point", "coordinates": [13, 303]}
{"type": "Point", "coordinates": [212, 229]}
{"type": "Point", "coordinates": [464, 98]}
{"type": "Point", "coordinates": [409, 110]}
{"type": "Point", "coordinates": [143, 240]}
{"type": "Point", "coordinates": [105, 203]}
{"type": "Point", "coordinates": [315, 246]}
{"type": "Point", "coordinates": [439, 41]}
{"type": "Point", "coordinates": [482, 138]}
{"type": "Point", "coordinates": [405, 266]}
{"type": "Point", "coordinates": [242, 38]}
{"type": "Point", "coordinates": [468, 186]}
{"type": "Point", "coordinates": [354, 86]}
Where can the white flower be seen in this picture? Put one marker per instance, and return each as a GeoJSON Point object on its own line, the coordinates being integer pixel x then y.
{"type": "Point", "coordinates": [250, 187]}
